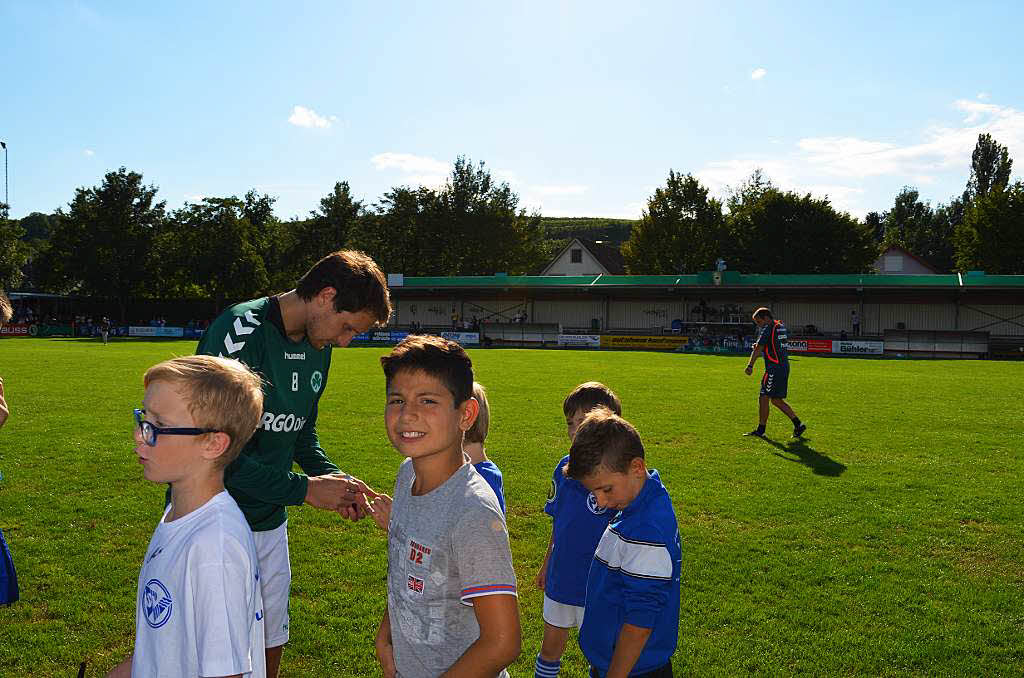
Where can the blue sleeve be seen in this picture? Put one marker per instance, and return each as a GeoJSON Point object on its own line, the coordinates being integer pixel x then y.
{"type": "Point", "coordinates": [551, 505]}
{"type": "Point", "coordinates": [762, 337]}
{"type": "Point", "coordinates": [647, 572]}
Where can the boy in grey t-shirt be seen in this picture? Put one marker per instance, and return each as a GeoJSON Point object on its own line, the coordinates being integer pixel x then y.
{"type": "Point", "coordinates": [452, 605]}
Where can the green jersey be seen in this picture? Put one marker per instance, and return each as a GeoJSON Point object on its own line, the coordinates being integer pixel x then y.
{"type": "Point", "coordinates": [294, 377]}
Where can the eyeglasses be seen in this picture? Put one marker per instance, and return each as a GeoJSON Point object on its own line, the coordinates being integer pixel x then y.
{"type": "Point", "coordinates": [151, 431]}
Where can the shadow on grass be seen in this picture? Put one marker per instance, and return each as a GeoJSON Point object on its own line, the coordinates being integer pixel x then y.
{"type": "Point", "coordinates": [820, 464]}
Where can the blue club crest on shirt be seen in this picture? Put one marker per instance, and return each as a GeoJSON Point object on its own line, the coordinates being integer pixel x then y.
{"type": "Point", "coordinates": [592, 505]}
{"type": "Point", "coordinates": [156, 603]}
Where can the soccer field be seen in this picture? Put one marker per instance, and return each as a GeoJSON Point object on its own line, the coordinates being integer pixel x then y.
{"type": "Point", "coordinates": [888, 542]}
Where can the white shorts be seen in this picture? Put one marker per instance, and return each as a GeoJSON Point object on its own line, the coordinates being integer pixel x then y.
{"type": "Point", "coordinates": [275, 580]}
{"type": "Point", "coordinates": [561, 615]}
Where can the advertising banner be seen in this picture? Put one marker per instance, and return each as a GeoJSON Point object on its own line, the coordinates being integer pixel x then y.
{"type": "Point", "coordinates": [630, 341]}
{"type": "Point", "coordinates": [464, 338]}
{"type": "Point", "coordinates": [147, 331]}
{"type": "Point", "coordinates": [589, 340]}
{"type": "Point", "coordinates": [858, 347]}
{"type": "Point", "coordinates": [15, 330]}
{"type": "Point", "coordinates": [810, 345]}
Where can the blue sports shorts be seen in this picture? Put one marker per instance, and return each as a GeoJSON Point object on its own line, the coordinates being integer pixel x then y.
{"type": "Point", "coordinates": [775, 381]}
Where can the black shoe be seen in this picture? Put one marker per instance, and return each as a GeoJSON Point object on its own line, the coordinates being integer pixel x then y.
{"type": "Point", "coordinates": [756, 433]}
{"type": "Point", "coordinates": [799, 430]}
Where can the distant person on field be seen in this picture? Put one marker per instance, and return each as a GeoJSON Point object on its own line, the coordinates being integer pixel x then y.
{"type": "Point", "coordinates": [8, 575]}
{"type": "Point", "coordinates": [287, 339]}
{"type": "Point", "coordinates": [105, 328]}
{"type": "Point", "coordinates": [452, 605]}
{"type": "Point", "coordinates": [772, 344]}
{"type": "Point", "coordinates": [199, 610]}
{"type": "Point", "coordinates": [5, 316]}
{"type": "Point", "coordinates": [631, 625]}
{"type": "Point", "coordinates": [855, 320]}
{"type": "Point", "coordinates": [577, 525]}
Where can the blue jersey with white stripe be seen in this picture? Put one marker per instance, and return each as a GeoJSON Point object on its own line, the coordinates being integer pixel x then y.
{"type": "Point", "coordinates": [578, 525]}
{"type": "Point", "coordinates": [634, 579]}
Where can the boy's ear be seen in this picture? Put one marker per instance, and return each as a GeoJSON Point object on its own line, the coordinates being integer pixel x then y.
{"type": "Point", "coordinates": [215, 445]}
{"type": "Point", "coordinates": [470, 409]}
{"type": "Point", "coordinates": [637, 466]}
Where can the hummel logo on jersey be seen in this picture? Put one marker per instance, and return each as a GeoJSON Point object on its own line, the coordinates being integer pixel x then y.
{"type": "Point", "coordinates": [281, 422]}
{"type": "Point", "coordinates": [241, 330]}
{"type": "Point", "coordinates": [154, 554]}
{"type": "Point", "coordinates": [294, 356]}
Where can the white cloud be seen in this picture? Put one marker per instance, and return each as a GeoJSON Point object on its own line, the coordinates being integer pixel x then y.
{"type": "Point", "coordinates": [413, 164]}
{"type": "Point", "coordinates": [941, 156]}
{"type": "Point", "coordinates": [574, 189]}
{"type": "Point", "coordinates": [194, 198]}
{"type": "Point", "coordinates": [983, 95]}
{"type": "Point", "coordinates": [307, 117]}
{"type": "Point", "coordinates": [88, 152]}
{"type": "Point", "coordinates": [758, 73]}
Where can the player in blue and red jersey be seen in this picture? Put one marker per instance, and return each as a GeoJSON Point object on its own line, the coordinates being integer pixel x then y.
{"type": "Point", "coordinates": [772, 344]}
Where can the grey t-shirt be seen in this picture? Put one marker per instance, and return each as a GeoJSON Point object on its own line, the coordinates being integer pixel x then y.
{"type": "Point", "coordinates": [444, 549]}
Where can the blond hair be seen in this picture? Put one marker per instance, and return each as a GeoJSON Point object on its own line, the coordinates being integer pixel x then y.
{"type": "Point", "coordinates": [221, 394]}
{"type": "Point", "coordinates": [5, 308]}
{"type": "Point", "coordinates": [477, 433]}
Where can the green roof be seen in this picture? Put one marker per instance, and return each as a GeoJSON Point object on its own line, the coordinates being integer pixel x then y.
{"type": "Point", "coordinates": [705, 279]}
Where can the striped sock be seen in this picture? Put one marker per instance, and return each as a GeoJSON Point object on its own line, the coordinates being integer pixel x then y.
{"type": "Point", "coordinates": [546, 669]}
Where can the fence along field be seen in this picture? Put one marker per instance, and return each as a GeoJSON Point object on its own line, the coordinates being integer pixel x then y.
{"type": "Point", "coordinates": [888, 543]}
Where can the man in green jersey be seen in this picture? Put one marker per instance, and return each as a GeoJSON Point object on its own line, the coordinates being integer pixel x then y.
{"type": "Point", "coordinates": [287, 340]}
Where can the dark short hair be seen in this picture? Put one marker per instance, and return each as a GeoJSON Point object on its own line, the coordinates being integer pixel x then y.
{"type": "Point", "coordinates": [603, 439]}
{"type": "Point", "coordinates": [762, 312]}
{"type": "Point", "coordinates": [358, 283]}
{"type": "Point", "coordinates": [589, 395]}
{"type": "Point", "coordinates": [5, 308]}
{"type": "Point", "coordinates": [477, 433]}
{"type": "Point", "coordinates": [440, 358]}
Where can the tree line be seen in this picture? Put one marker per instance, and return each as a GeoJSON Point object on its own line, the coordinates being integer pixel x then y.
{"type": "Point", "coordinates": [764, 229]}
{"type": "Point", "coordinates": [117, 240]}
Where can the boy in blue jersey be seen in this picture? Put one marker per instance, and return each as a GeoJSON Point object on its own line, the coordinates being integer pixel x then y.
{"type": "Point", "coordinates": [631, 625]}
{"type": "Point", "coordinates": [474, 446]}
{"type": "Point", "coordinates": [577, 525]}
{"type": "Point", "coordinates": [772, 343]}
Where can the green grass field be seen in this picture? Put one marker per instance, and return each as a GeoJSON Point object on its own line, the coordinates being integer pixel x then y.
{"type": "Point", "coordinates": [889, 542]}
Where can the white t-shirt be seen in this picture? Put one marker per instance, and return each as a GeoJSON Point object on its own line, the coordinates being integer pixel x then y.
{"type": "Point", "coordinates": [199, 611]}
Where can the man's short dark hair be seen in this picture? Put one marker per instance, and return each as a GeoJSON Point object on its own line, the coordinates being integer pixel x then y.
{"type": "Point", "coordinates": [589, 395]}
{"type": "Point", "coordinates": [763, 312]}
{"type": "Point", "coordinates": [440, 358]}
{"type": "Point", "coordinates": [357, 280]}
{"type": "Point", "coordinates": [603, 439]}
{"type": "Point", "coordinates": [5, 308]}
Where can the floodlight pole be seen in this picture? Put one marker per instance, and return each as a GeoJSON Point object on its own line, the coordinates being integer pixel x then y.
{"type": "Point", "coordinates": [7, 198]}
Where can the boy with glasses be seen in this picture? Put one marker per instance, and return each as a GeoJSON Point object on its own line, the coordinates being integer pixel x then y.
{"type": "Point", "coordinates": [199, 609]}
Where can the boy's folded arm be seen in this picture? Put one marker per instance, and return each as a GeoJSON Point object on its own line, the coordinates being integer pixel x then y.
{"type": "Point", "coordinates": [628, 648]}
{"type": "Point", "coordinates": [500, 638]}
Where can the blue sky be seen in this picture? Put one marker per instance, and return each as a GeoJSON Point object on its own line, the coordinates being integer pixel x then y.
{"type": "Point", "coordinates": [583, 107]}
